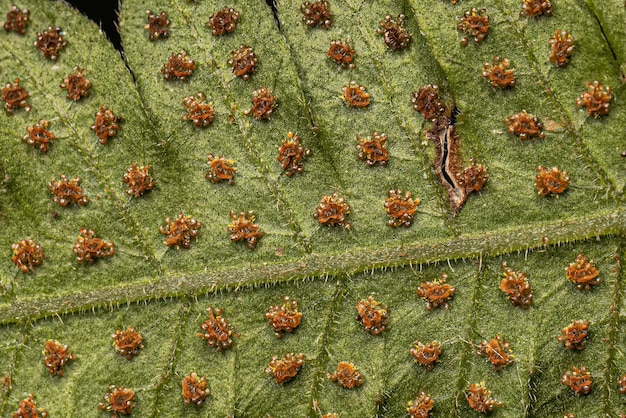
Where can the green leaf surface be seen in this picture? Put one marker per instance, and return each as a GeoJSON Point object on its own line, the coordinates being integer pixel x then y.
{"type": "Point", "coordinates": [163, 292]}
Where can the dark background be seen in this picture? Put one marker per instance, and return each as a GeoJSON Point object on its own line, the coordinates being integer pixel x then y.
{"type": "Point", "coordinates": [104, 13]}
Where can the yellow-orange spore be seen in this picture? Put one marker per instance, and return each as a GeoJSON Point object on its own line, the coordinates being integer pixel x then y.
{"type": "Point", "coordinates": [499, 74]}
{"type": "Point", "coordinates": [118, 400]}
{"type": "Point", "coordinates": [89, 248]}
{"type": "Point", "coordinates": [596, 99]}
{"type": "Point", "coordinates": [561, 48]}
{"type": "Point", "coordinates": [332, 211]}
{"type": "Point", "coordinates": [355, 95]}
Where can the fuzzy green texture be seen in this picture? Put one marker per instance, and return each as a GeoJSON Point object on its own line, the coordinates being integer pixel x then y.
{"type": "Point", "coordinates": [164, 292]}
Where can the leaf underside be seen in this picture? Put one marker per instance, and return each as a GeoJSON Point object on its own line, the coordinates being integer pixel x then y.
{"type": "Point", "coordinates": [164, 292]}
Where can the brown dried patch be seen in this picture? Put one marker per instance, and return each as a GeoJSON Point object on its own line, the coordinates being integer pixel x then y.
{"type": "Point", "coordinates": [421, 406]}
{"type": "Point", "coordinates": [373, 151]}
{"type": "Point", "coordinates": [516, 286]}
{"type": "Point", "coordinates": [39, 136]}
{"type": "Point", "coordinates": [479, 399]}
{"type": "Point", "coordinates": [118, 400]}
{"type": "Point", "coordinates": [263, 104]}
{"type": "Point", "coordinates": [194, 389]}
{"type": "Point", "coordinates": [180, 231]}
{"type": "Point", "coordinates": [355, 95]}
{"type": "Point", "coordinates": [17, 20]}
{"type": "Point", "coordinates": [76, 84]}
{"type": "Point", "coordinates": [27, 408]}
{"type": "Point", "coordinates": [316, 14]}
{"type": "Point", "coordinates": [436, 293]}
{"type": "Point", "coordinates": [525, 125]}
{"type": "Point", "coordinates": [533, 8]}
{"type": "Point", "coordinates": [243, 61]}
{"type": "Point", "coordinates": [622, 385]}
{"type": "Point", "coordinates": [562, 47]}
{"type": "Point", "coordinates": [342, 53]}
{"type": "Point", "coordinates": [579, 380]}
{"type": "Point", "coordinates": [138, 180]}
{"type": "Point", "coordinates": [199, 112]}
{"type": "Point", "coordinates": [158, 25]}
{"type": "Point", "coordinates": [497, 351]}
{"type": "Point", "coordinates": [178, 66]}
{"type": "Point", "coordinates": [56, 356]}
{"type": "Point", "coordinates": [220, 169]}
{"type": "Point", "coordinates": [50, 43]}
{"type": "Point", "coordinates": [223, 21]}
{"type": "Point", "coordinates": [473, 24]}
{"type": "Point", "coordinates": [346, 376]}
{"type": "Point", "coordinates": [393, 32]}
{"type": "Point", "coordinates": [14, 97]}
{"type": "Point", "coordinates": [88, 248]}
{"type": "Point", "coordinates": [596, 99]}
{"type": "Point", "coordinates": [285, 317]}
{"type": "Point", "coordinates": [27, 255]}
{"type": "Point", "coordinates": [332, 211]}
{"type": "Point", "coordinates": [401, 209]}
{"type": "Point", "coordinates": [553, 181]}
{"type": "Point", "coordinates": [583, 273]}
{"type": "Point", "coordinates": [291, 154]}
{"type": "Point", "coordinates": [286, 368]}
{"type": "Point", "coordinates": [127, 342]}
{"type": "Point", "coordinates": [372, 316]}
{"type": "Point", "coordinates": [499, 74]}
{"type": "Point", "coordinates": [106, 125]}
{"type": "Point", "coordinates": [217, 332]}
{"type": "Point", "coordinates": [426, 101]}
{"type": "Point", "coordinates": [426, 355]}
{"type": "Point", "coordinates": [574, 336]}
{"type": "Point", "coordinates": [67, 191]}
{"type": "Point", "coordinates": [243, 228]}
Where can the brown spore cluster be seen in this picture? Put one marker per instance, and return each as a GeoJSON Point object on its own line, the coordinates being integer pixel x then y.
{"type": "Point", "coordinates": [316, 14]}
{"type": "Point", "coordinates": [552, 181]}
{"type": "Point", "coordinates": [596, 99]}
{"type": "Point", "coordinates": [401, 208]}
{"type": "Point", "coordinates": [373, 150]}
{"type": "Point", "coordinates": [14, 97]}
{"type": "Point", "coordinates": [574, 336]}
{"type": "Point", "coordinates": [333, 211]}
{"type": "Point", "coordinates": [27, 255]}
{"type": "Point", "coordinates": [497, 351]}
{"type": "Point", "coordinates": [180, 231]}
{"type": "Point", "coordinates": [223, 21]}
{"type": "Point", "coordinates": [426, 355]}
{"type": "Point", "coordinates": [76, 84]}
{"type": "Point", "coordinates": [50, 43]}
{"type": "Point", "coordinates": [480, 400]}
{"type": "Point", "coordinates": [499, 74]}
{"type": "Point", "coordinates": [242, 228]}
{"type": "Point", "coordinates": [346, 376]}
{"type": "Point", "coordinates": [217, 331]}
{"type": "Point", "coordinates": [194, 389]}
{"type": "Point", "coordinates": [243, 61]}
{"type": "Point", "coordinates": [355, 95]}
{"type": "Point", "coordinates": [199, 111]}
{"type": "Point", "coordinates": [421, 406]}
{"type": "Point", "coordinates": [285, 317]}
{"type": "Point", "coordinates": [561, 48]}
{"type": "Point", "coordinates": [89, 248]}
{"type": "Point", "coordinates": [583, 273]}
{"type": "Point", "coordinates": [285, 369]}
{"type": "Point", "coordinates": [106, 125]}
{"type": "Point", "coordinates": [517, 287]}
{"type": "Point", "coordinates": [436, 293]}
{"type": "Point", "coordinates": [138, 180]}
{"type": "Point", "coordinates": [17, 20]}
{"type": "Point", "coordinates": [291, 154]}
{"type": "Point", "coordinates": [178, 66]}
{"type": "Point", "coordinates": [118, 401]}
{"type": "Point", "coordinates": [426, 101]}
{"type": "Point", "coordinates": [534, 8]}
{"type": "Point", "coordinates": [579, 380]}
{"type": "Point", "coordinates": [474, 23]}
{"type": "Point", "coordinates": [342, 53]}
{"type": "Point", "coordinates": [158, 26]}
{"type": "Point", "coordinates": [56, 355]}
{"type": "Point", "coordinates": [263, 104]}
{"type": "Point", "coordinates": [372, 315]}
{"type": "Point", "coordinates": [525, 126]}
{"type": "Point", "coordinates": [66, 191]}
{"type": "Point", "coordinates": [220, 169]}
{"type": "Point", "coordinates": [392, 30]}
{"type": "Point", "coordinates": [127, 342]}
